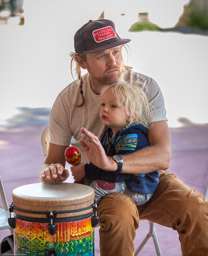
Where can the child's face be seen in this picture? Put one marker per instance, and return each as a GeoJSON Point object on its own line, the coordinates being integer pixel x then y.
{"type": "Point", "coordinates": [112, 113]}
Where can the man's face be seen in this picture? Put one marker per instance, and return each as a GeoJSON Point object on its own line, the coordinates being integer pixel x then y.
{"type": "Point", "coordinates": [105, 67]}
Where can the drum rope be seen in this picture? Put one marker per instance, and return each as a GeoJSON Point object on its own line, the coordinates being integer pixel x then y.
{"type": "Point", "coordinates": [46, 212]}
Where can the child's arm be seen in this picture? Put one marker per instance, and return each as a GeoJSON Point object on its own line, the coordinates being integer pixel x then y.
{"type": "Point", "coordinates": [78, 171]}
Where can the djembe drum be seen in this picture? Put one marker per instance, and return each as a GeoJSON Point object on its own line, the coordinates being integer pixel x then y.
{"type": "Point", "coordinates": [53, 219]}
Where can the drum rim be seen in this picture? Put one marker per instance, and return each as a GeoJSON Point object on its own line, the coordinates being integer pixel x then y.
{"type": "Point", "coordinates": [67, 207]}
{"type": "Point", "coordinates": [18, 193]}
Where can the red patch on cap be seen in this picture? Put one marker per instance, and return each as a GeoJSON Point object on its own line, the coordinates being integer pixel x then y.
{"type": "Point", "coordinates": [103, 34]}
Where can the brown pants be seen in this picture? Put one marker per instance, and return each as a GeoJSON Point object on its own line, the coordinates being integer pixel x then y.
{"type": "Point", "coordinates": [173, 205]}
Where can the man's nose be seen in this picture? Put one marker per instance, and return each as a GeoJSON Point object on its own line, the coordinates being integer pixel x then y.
{"type": "Point", "coordinates": [111, 60]}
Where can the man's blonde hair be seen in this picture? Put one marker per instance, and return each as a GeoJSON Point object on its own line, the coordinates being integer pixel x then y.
{"type": "Point", "coordinates": [134, 99]}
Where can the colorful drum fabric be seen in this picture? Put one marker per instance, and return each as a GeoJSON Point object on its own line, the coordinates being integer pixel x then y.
{"type": "Point", "coordinates": [65, 208]}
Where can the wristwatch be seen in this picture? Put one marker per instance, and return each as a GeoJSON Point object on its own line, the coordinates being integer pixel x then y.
{"type": "Point", "coordinates": [119, 160]}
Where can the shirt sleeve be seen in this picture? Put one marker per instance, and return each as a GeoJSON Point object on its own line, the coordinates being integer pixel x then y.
{"type": "Point", "coordinates": [60, 133]}
{"type": "Point", "coordinates": [127, 143]}
{"type": "Point", "coordinates": [94, 173]}
{"type": "Point", "coordinates": [132, 142]}
{"type": "Point", "coordinates": [156, 100]}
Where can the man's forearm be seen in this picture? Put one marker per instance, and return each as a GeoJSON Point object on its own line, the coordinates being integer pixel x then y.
{"type": "Point", "coordinates": [147, 160]}
{"type": "Point", "coordinates": [152, 158]}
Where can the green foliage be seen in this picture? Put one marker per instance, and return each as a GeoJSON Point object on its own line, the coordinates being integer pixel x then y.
{"type": "Point", "coordinates": [144, 26]}
{"type": "Point", "coordinates": [199, 19]}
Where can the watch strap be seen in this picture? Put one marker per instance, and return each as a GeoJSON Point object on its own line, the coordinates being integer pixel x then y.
{"type": "Point", "coordinates": [120, 165]}
{"type": "Point", "coordinates": [119, 160]}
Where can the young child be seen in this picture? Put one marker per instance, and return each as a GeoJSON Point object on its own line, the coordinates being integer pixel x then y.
{"type": "Point", "coordinates": [124, 110]}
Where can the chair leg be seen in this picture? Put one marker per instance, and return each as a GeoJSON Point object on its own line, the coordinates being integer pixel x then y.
{"type": "Point", "coordinates": [151, 233]}
{"type": "Point", "coordinates": [4, 200]}
{"type": "Point", "coordinates": [206, 193]}
{"type": "Point", "coordinates": [155, 240]}
{"type": "Point", "coordinates": [3, 196]}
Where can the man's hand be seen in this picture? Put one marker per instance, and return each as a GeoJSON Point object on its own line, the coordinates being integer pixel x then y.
{"type": "Point", "coordinates": [54, 173]}
{"type": "Point", "coordinates": [96, 153]}
{"type": "Point", "coordinates": [78, 171]}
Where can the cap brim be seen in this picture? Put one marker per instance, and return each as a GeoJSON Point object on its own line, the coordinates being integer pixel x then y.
{"type": "Point", "coordinates": [108, 45]}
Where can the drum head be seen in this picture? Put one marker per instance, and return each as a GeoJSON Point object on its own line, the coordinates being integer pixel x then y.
{"type": "Point", "coordinates": [60, 197]}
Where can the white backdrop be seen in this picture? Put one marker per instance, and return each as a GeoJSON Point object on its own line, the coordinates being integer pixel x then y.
{"type": "Point", "coordinates": [34, 58]}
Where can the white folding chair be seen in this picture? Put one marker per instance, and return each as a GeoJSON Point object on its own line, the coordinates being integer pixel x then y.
{"type": "Point", "coordinates": [4, 212]}
{"type": "Point", "coordinates": [7, 244]}
{"type": "Point", "coordinates": [45, 140]}
{"type": "Point", "coordinates": [152, 231]}
{"type": "Point", "coordinates": [206, 193]}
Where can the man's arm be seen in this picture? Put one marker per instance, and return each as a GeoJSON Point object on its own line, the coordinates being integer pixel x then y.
{"type": "Point", "coordinates": [154, 157]}
{"type": "Point", "coordinates": [53, 169]}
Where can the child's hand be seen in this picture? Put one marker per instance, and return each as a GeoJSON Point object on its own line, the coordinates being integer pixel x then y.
{"type": "Point", "coordinates": [78, 171]}
{"type": "Point", "coordinates": [96, 153]}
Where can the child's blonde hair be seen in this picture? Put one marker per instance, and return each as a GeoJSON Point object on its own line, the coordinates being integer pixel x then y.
{"type": "Point", "coordinates": [134, 99]}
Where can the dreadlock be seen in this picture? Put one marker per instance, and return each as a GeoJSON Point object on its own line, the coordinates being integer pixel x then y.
{"type": "Point", "coordinates": [79, 76]}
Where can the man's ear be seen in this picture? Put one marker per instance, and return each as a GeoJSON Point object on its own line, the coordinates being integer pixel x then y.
{"type": "Point", "coordinates": [81, 62]}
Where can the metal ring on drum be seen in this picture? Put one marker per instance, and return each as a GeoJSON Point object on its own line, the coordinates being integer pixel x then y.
{"type": "Point", "coordinates": [53, 219]}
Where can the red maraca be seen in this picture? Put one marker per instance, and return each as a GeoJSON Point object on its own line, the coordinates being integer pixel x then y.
{"type": "Point", "coordinates": [72, 155]}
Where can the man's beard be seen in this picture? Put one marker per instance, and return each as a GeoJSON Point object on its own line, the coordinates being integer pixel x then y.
{"type": "Point", "coordinates": [109, 78]}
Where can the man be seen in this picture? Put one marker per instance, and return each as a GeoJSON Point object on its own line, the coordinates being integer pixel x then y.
{"type": "Point", "coordinates": [98, 49]}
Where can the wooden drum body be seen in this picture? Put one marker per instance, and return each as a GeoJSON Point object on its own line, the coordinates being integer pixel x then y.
{"type": "Point", "coordinates": [53, 219]}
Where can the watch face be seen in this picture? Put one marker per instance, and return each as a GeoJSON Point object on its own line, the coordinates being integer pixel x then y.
{"type": "Point", "coordinates": [117, 158]}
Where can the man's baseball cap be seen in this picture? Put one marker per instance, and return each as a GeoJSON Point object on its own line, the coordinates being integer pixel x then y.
{"type": "Point", "coordinates": [97, 35]}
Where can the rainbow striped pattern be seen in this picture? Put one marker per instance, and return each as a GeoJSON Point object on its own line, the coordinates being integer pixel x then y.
{"type": "Point", "coordinates": [74, 238]}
